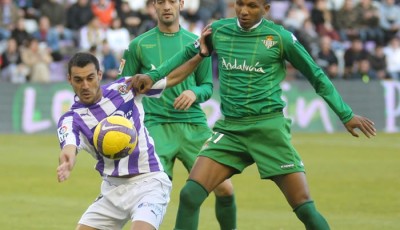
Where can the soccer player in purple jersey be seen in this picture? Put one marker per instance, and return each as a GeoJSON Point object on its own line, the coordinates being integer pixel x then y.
{"type": "Point", "coordinates": [252, 53]}
{"type": "Point", "coordinates": [134, 187]}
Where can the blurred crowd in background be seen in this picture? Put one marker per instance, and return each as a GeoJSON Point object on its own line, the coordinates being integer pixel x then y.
{"type": "Point", "coordinates": [349, 39]}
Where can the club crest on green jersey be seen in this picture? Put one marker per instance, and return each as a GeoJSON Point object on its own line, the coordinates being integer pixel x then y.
{"type": "Point", "coordinates": [269, 42]}
{"type": "Point", "coordinates": [196, 43]}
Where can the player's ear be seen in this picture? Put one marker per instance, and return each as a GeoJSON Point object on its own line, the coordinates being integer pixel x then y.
{"type": "Point", "coordinates": [267, 7]}
{"type": "Point", "coordinates": [100, 75]}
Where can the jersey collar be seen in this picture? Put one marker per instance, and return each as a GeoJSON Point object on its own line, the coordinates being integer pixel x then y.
{"type": "Point", "coordinates": [248, 30]}
{"type": "Point", "coordinates": [169, 34]}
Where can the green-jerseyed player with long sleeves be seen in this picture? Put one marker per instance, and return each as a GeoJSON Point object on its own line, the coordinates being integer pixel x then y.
{"type": "Point", "coordinates": [176, 121]}
{"type": "Point", "coordinates": [252, 54]}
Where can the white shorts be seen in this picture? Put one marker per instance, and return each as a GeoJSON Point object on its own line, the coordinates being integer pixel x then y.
{"type": "Point", "coordinates": [144, 197]}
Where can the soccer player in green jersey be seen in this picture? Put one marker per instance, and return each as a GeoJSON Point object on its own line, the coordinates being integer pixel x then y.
{"type": "Point", "coordinates": [176, 121]}
{"type": "Point", "coordinates": [252, 54]}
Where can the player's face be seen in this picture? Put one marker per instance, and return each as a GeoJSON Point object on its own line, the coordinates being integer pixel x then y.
{"type": "Point", "coordinates": [250, 12]}
{"type": "Point", "coordinates": [168, 11]}
{"type": "Point", "coordinates": [86, 83]}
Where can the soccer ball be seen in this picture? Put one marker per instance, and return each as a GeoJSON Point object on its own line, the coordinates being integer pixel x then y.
{"type": "Point", "coordinates": [115, 137]}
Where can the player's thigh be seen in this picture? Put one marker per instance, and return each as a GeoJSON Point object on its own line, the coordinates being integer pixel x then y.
{"type": "Point", "coordinates": [226, 147]}
{"type": "Point", "coordinates": [104, 212]}
{"type": "Point", "coordinates": [271, 148]}
{"type": "Point", "coordinates": [151, 200]}
{"type": "Point", "coordinates": [294, 187]}
{"type": "Point", "coordinates": [210, 173]}
{"type": "Point", "coordinates": [194, 138]}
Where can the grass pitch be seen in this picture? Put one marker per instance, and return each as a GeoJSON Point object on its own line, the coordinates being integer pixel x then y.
{"type": "Point", "coordinates": [354, 182]}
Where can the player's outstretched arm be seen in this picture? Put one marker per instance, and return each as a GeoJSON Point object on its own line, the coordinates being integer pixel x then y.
{"type": "Point", "coordinates": [66, 162]}
{"type": "Point", "coordinates": [179, 74]}
{"type": "Point", "coordinates": [142, 83]}
{"type": "Point", "coordinates": [362, 123]}
{"type": "Point", "coordinates": [182, 72]}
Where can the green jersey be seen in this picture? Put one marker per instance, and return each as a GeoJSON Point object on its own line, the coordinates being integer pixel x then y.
{"type": "Point", "coordinates": [252, 64]}
{"type": "Point", "coordinates": [150, 50]}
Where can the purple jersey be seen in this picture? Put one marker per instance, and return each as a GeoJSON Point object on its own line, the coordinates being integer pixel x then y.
{"type": "Point", "coordinates": [76, 127]}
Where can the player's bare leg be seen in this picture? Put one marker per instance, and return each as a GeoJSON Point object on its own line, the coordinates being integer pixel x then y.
{"type": "Point", "coordinates": [204, 177]}
{"type": "Point", "coordinates": [224, 189]}
{"type": "Point", "coordinates": [209, 173]}
{"type": "Point", "coordinates": [84, 227]}
{"type": "Point", "coordinates": [295, 188]}
{"type": "Point", "coordinates": [141, 225]}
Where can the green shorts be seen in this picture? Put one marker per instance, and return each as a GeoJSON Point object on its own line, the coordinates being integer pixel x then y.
{"type": "Point", "coordinates": [181, 141]}
{"type": "Point", "coordinates": [264, 140]}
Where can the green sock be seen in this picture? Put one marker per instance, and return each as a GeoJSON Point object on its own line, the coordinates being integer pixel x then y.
{"type": "Point", "coordinates": [191, 197]}
{"type": "Point", "coordinates": [310, 217]}
{"type": "Point", "coordinates": [225, 210]}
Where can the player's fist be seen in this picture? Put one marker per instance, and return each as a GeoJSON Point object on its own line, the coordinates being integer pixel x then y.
{"type": "Point", "coordinates": [140, 83]}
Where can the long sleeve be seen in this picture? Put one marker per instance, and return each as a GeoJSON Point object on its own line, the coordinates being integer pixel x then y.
{"type": "Point", "coordinates": [178, 59]}
{"type": "Point", "coordinates": [295, 53]}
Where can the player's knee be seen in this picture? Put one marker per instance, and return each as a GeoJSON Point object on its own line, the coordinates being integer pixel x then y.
{"type": "Point", "coordinates": [186, 197]}
{"type": "Point", "coordinates": [224, 189]}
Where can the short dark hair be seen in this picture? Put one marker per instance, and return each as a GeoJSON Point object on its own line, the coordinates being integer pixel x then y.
{"type": "Point", "coordinates": [82, 59]}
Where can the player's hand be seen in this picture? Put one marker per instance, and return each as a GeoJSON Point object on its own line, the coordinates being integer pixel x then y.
{"type": "Point", "coordinates": [206, 46]}
{"type": "Point", "coordinates": [185, 100]}
{"type": "Point", "coordinates": [362, 123]}
{"type": "Point", "coordinates": [65, 167]}
{"type": "Point", "coordinates": [140, 83]}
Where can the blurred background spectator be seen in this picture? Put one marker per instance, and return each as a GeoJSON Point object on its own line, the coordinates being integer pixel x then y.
{"type": "Point", "coordinates": [9, 14]}
{"type": "Point", "coordinates": [79, 15]}
{"type": "Point", "coordinates": [369, 17]}
{"type": "Point", "coordinates": [12, 68]}
{"type": "Point", "coordinates": [347, 22]}
{"type": "Point", "coordinates": [105, 11]}
{"type": "Point", "coordinates": [19, 33]}
{"type": "Point", "coordinates": [392, 53]}
{"type": "Point", "coordinates": [390, 18]}
{"type": "Point", "coordinates": [117, 37]}
{"type": "Point", "coordinates": [211, 9]}
{"type": "Point", "coordinates": [309, 37]}
{"type": "Point", "coordinates": [327, 59]}
{"type": "Point", "coordinates": [110, 62]}
{"type": "Point", "coordinates": [353, 56]}
{"type": "Point", "coordinates": [130, 19]}
{"type": "Point", "coordinates": [48, 37]}
{"type": "Point", "coordinates": [38, 59]}
{"type": "Point", "coordinates": [91, 34]}
{"type": "Point", "coordinates": [149, 18]}
{"type": "Point", "coordinates": [296, 13]}
{"type": "Point", "coordinates": [377, 58]}
{"type": "Point", "coordinates": [54, 11]}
